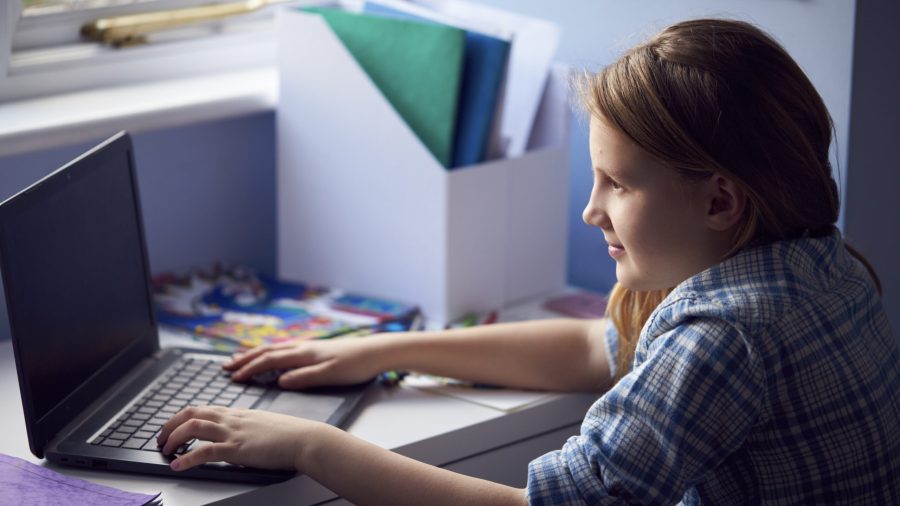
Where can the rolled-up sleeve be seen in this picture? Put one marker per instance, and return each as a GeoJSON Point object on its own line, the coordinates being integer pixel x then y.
{"type": "Point", "coordinates": [678, 414]}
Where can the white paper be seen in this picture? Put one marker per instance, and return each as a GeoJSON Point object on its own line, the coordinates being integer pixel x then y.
{"type": "Point", "coordinates": [503, 399]}
{"type": "Point", "coordinates": [474, 25]}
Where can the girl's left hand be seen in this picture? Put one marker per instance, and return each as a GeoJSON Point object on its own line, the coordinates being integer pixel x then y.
{"type": "Point", "coordinates": [240, 436]}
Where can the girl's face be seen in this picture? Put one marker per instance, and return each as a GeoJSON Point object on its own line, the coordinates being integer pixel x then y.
{"type": "Point", "coordinates": [655, 223]}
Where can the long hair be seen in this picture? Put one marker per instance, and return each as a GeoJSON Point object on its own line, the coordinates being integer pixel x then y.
{"type": "Point", "coordinates": [720, 96]}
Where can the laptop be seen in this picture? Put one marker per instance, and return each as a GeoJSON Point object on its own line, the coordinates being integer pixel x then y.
{"type": "Point", "coordinates": [95, 384]}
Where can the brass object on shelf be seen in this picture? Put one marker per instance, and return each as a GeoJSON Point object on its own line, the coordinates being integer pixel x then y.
{"type": "Point", "coordinates": [133, 29]}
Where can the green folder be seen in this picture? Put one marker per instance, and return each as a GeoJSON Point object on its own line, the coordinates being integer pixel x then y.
{"type": "Point", "coordinates": [417, 66]}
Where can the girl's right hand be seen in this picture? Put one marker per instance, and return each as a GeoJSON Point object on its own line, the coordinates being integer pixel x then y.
{"type": "Point", "coordinates": [339, 361]}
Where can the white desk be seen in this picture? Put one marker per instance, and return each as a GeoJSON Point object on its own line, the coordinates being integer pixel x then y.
{"type": "Point", "coordinates": [436, 429]}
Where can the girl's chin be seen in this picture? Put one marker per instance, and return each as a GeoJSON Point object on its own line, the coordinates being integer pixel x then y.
{"type": "Point", "coordinates": [636, 283]}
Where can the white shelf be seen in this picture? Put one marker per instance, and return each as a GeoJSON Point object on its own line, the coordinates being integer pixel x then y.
{"type": "Point", "coordinates": [44, 123]}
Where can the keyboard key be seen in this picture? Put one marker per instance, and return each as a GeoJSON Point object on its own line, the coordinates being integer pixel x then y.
{"type": "Point", "coordinates": [151, 445]}
{"type": "Point", "coordinates": [112, 442]}
{"type": "Point", "coordinates": [127, 429]}
{"type": "Point", "coordinates": [184, 448]}
{"type": "Point", "coordinates": [144, 434]}
{"type": "Point", "coordinates": [134, 443]}
{"type": "Point", "coordinates": [122, 436]}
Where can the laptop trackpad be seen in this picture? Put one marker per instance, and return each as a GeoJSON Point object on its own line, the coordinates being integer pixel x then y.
{"type": "Point", "coordinates": [311, 406]}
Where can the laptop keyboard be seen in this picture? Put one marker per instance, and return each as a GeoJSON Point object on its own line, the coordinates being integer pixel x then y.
{"type": "Point", "coordinates": [190, 381]}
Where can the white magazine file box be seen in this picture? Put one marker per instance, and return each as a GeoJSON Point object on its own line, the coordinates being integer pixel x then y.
{"type": "Point", "coordinates": [364, 206]}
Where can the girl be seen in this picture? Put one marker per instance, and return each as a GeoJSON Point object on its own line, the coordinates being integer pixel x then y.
{"type": "Point", "coordinates": [753, 359]}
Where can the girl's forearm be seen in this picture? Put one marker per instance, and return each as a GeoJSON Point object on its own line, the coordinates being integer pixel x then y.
{"type": "Point", "coordinates": [364, 473]}
{"type": "Point", "coordinates": [560, 354]}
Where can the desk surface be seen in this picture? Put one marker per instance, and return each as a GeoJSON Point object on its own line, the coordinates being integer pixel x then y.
{"type": "Point", "coordinates": [433, 428]}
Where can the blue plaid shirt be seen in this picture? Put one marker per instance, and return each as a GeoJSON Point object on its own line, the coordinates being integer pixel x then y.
{"type": "Point", "coordinates": [771, 377]}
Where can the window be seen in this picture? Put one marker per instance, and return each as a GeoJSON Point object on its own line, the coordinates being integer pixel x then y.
{"type": "Point", "coordinates": [43, 51]}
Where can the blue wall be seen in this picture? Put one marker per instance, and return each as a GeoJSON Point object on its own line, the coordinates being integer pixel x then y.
{"type": "Point", "coordinates": [207, 191]}
{"type": "Point", "coordinates": [873, 153]}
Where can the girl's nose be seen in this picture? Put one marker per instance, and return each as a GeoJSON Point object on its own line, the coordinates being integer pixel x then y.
{"type": "Point", "coordinates": [593, 214]}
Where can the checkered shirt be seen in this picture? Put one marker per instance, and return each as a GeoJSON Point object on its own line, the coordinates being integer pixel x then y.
{"type": "Point", "coordinates": [770, 378]}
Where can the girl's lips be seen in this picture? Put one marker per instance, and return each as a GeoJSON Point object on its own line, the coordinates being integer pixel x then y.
{"type": "Point", "coordinates": [616, 251]}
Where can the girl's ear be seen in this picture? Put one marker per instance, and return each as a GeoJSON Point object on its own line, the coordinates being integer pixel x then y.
{"type": "Point", "coordinates": [726, 202]}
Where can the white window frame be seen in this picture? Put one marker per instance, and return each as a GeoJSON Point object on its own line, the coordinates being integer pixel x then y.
{"type": "Point", "coordinates": [73, 65]}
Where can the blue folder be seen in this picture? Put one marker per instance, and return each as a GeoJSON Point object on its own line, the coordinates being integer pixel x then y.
{"type": "Point", "coordinates": [483, 71]}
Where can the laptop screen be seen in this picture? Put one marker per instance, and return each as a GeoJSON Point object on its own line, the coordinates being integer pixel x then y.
{"type": "Point", "coordinates": [75, 275]}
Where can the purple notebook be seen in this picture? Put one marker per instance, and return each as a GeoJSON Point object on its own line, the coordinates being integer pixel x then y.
{"type": "Point", "coordinates": [25, 483]}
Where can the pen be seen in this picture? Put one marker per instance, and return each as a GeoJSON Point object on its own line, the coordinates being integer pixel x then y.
{"type": "Point", "coordinates": [469, 320]}
{"type": "Point", "coordinates": [417, 323]}
{"type": "Point", "coordinates": [490, 318]}
{"type": "Point", "coordinates": [391, 378]}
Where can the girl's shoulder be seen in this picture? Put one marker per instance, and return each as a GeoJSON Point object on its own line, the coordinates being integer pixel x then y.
{"type": "Point", "coordinates": [761, 286]}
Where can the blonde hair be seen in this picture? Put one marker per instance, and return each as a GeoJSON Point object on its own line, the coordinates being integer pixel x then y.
{"type": "Point", "coordinates": [720, 96]}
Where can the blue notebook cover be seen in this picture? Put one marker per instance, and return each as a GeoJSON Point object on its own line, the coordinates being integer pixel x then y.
{"type": "Point", "coordinates": [483, 71]}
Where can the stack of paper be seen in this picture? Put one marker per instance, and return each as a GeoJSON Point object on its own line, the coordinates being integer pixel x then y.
{"type": "Point", "coordinates": [445, 78]}
{"type": "Point", "coordinates": [416, 66]}
{"type": "Point", "coordinates": [534, 43]}
{"type": "Point", "coordinates": [483, 72]}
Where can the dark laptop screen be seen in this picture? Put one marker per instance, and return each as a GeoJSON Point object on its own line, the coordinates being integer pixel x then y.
{"type": "Point", "coordinates": [75, 274]}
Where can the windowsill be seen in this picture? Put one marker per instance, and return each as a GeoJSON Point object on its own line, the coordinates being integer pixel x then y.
{"type": "Point", "coordinates": [38, 124]}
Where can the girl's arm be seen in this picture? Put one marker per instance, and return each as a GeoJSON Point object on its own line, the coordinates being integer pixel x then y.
{"type": "Point", "coordinates": [364, 473]}
{"type": "Point", "coordinates": [359, 471]}
{"type": "Point", "coordinates": [560, 355]}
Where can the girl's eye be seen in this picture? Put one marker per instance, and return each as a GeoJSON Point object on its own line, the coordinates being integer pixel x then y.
{"type": "Point", "coordinates": [605, 180]}
{"type": "Point", "coordinates": [613, 183]}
